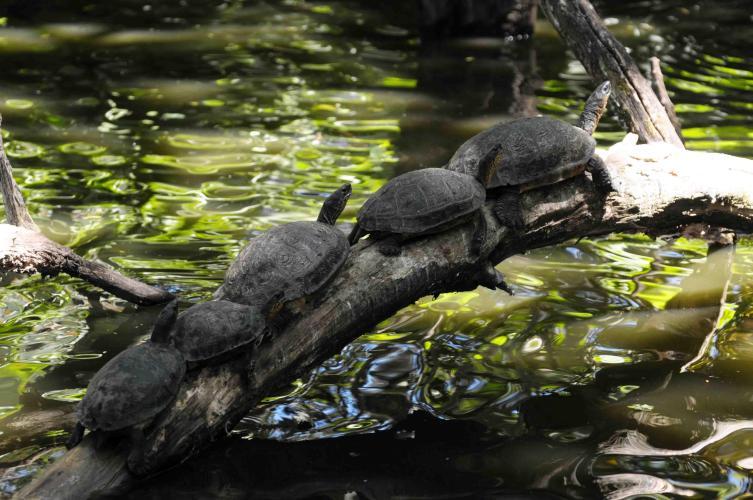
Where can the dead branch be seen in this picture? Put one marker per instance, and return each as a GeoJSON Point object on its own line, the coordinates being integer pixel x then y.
{"type": "Point", "coordinates": [15, 208]}
{"type": "Point", "coordinates": [28, 252]}
{"type": "Point", "coordinates": [605, 58]}
{"type": "Point", "coordinates": [657, 81]}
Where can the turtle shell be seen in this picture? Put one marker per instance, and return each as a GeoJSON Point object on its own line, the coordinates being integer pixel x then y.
{"type": "Point", "coordinates": [211, 329]}
{"type": "Point", "coordinates": [535, 152]}
{"type": "Point", "coordinates": [422, 201]}
{"type": "Point", "coordinates": [132, 387]}
{"type": "Point", "coordinates": [285, 263]}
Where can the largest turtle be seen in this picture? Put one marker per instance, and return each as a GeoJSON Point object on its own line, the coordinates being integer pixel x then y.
{"type": "Point", "coordinates": [533, 152]}
{"type": "Point", "coordinates": [289, 262]}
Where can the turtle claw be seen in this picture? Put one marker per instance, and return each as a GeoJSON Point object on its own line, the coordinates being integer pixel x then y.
{"type": "Point", "coordinates": [492, 279]}
{"type": "Point", "coordinates": [502, 284]}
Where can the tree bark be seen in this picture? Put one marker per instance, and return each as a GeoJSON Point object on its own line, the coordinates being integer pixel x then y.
{"type": "Point", "coordinates": [605, 58]}
{"type": "Point", "coordinates": [15, 208]}
{"type": "Point", "coordinates": [659, 188]}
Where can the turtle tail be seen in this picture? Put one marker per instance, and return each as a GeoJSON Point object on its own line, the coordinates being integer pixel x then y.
{"type": "Point", "coordinates": [356, 234]}
{"type": "Point", "coordinates": [594, 108]}
{"type": "Point", "coordinates": [164, 323]}
{"type": "Point", "coordinates": [76, 436]}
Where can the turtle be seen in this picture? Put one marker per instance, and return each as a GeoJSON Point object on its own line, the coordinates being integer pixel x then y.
{"type": "Point", "coordinates": [534, 152]}
{"type": "Point", "coordinates": [424, 202]}
{"type": "Point", "coordinates": [212, 330]}
{"type": "Point", "coordinates": [289, 262]}
{"type": "Point", "coordinates": [134, 386]}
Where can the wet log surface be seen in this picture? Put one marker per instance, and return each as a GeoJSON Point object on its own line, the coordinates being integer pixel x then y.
{"type": "Point", "coordinates": [605, 58]}
{"type": "Point", "coordinates": [659, 189]}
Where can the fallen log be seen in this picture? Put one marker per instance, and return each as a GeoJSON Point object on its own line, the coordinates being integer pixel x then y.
{"type": "Point", "coordinates": [26, 426]}
{"type": "Point", "coordinates": [659, 188]}
{"type": "Point", "coordinates": [605, 58]}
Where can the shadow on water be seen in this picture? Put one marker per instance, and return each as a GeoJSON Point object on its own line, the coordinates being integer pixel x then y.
{"type": "Point", "coordinates": [160, 137]}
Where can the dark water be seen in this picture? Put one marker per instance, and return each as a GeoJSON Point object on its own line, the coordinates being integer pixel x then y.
{"type": "Point", "coordinates": [160, 137]}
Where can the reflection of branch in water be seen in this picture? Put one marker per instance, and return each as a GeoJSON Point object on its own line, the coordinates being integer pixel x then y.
{"type": "Point", "coordinates": [498, 18]}
{"type": "Point", "coordinates": [717, 271]}
{"type": "Point", "coordinates": [469, 83]}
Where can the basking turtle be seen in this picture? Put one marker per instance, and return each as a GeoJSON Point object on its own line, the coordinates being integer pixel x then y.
{"type": "Point", "coordinates": [426, 202]}
{"type": "Point", "coordinates": [134, 386]}
{"type": "Point", "coordinates": [289, 261]}
{"type": "Point", "coordinates": [212, 330]}
{"type": "Point", "coordinates": [534, 152]}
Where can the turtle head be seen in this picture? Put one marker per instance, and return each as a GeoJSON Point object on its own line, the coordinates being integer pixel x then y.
{"type": "Point", "coordinates": [595, 107]}
{"type": "Point", "coordinates": [334, 205]}
{"type": "Point", "coordinates": [164, 323]}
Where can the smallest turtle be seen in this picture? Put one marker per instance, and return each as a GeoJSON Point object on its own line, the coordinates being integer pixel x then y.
{"type": "Point", "coordinates": [134, 386]}
{"type": "Point", "coordinates": [210, 331]}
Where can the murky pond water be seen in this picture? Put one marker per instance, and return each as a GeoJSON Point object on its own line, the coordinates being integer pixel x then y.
{"type": "Point", "coordinates": [160, 137]}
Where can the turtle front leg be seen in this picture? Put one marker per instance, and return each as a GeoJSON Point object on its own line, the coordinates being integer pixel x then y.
{"type": "Point", "coordinates": [600, 174]}
{"type": "Point", "coordinates": [492, 279]}
{"type": "Point", "coordinates": [508, 210]}
{"type": "Point", "coordinates": [138, 446]}
{"type": "Point", "coordinates": [479, 234]}
{"type": "Point", "coordinates": [76, 436]}
{"type": "Point", "coordinates": [390, 246]}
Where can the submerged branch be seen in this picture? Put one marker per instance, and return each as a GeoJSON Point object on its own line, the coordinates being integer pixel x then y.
{"type": "Point", "coordinates": [659, 189]}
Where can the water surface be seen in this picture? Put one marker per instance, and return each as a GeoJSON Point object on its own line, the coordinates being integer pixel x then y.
{"type": "Point", "coordinates": [159, 138]}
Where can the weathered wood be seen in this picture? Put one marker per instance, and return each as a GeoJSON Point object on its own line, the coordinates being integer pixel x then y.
{"type": "Point", "coordinates": [605, 58]}
{"type": "Point", "coordinates": [27, 252]}
{"type": "Point", "coordinates": [659, 187]}
{"type": "Point", "coordinates": [657, 82]}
